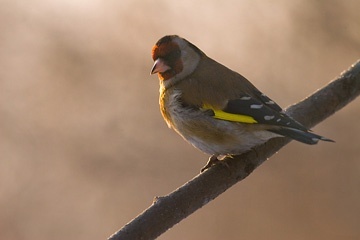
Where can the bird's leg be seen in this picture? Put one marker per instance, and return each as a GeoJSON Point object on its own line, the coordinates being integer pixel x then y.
{"type": "Point", "coordinates": [213, 160]}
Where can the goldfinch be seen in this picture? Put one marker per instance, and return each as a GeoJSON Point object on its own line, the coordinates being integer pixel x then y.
{"type": "Point", "coordinates": [214, 108]}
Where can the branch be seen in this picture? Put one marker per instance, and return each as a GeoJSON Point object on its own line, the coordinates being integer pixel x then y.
{"type": "Point", "coordinates": [167, 211]}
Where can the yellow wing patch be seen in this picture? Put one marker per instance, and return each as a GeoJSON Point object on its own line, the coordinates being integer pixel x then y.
{"type": "Point", "coordinates": [219, 114]}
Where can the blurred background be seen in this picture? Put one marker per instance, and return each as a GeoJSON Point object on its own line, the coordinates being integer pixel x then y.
{"type": "Point", "coordinates": [84, 149]}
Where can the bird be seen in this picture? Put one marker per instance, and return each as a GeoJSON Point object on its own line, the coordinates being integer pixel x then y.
{"type": "Point", "coordinates": [214, 108]}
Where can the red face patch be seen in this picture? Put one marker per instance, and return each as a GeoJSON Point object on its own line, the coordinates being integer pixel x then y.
{"type": "Point", "coordinates": [170, 53]}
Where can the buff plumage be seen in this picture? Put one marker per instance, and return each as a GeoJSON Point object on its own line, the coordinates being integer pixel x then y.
{"type": "Point", "coordinates": [214, 108]}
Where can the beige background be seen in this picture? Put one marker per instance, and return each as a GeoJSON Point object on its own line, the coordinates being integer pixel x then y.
{"type": "Point", "coordinates": [83, 148]}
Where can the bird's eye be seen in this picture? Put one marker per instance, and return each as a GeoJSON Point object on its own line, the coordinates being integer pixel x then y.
{"type": "Point", "coordinates": [173, 56]}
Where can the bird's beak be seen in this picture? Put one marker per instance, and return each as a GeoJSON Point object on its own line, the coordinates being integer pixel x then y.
{"type": "Point", "coordinates": [159, 66]}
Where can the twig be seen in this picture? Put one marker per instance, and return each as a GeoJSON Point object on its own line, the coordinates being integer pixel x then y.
{"type": "Point", "coordinates": [167, 211]}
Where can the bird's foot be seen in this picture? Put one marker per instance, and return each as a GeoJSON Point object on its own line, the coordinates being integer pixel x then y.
{"type": "Point", "coordinates": [213, 160]}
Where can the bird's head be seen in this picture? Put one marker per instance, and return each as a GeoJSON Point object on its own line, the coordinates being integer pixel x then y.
{"type": "Point", "coordinates": [174, 58]}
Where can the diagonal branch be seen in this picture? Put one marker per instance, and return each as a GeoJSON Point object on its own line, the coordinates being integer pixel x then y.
{"type": "Point", "coordinates": [167, 211]}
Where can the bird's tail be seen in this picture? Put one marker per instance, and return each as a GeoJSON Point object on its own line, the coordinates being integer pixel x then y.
{"type": "Point", "coordinates": [299, 135]}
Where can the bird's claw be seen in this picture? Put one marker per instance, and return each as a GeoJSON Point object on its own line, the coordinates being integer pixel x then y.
{"type": "Point", "coordinates": [213, 160]}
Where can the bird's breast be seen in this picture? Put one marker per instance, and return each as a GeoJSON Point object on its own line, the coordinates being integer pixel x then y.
{"type": "Point", "coordinates": [195, 125]}
{"type": "Point", "coordinates": [172, 109]}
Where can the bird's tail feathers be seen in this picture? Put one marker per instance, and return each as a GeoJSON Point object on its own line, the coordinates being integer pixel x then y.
{"type": "Point", "coordinates": [299, 135]}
